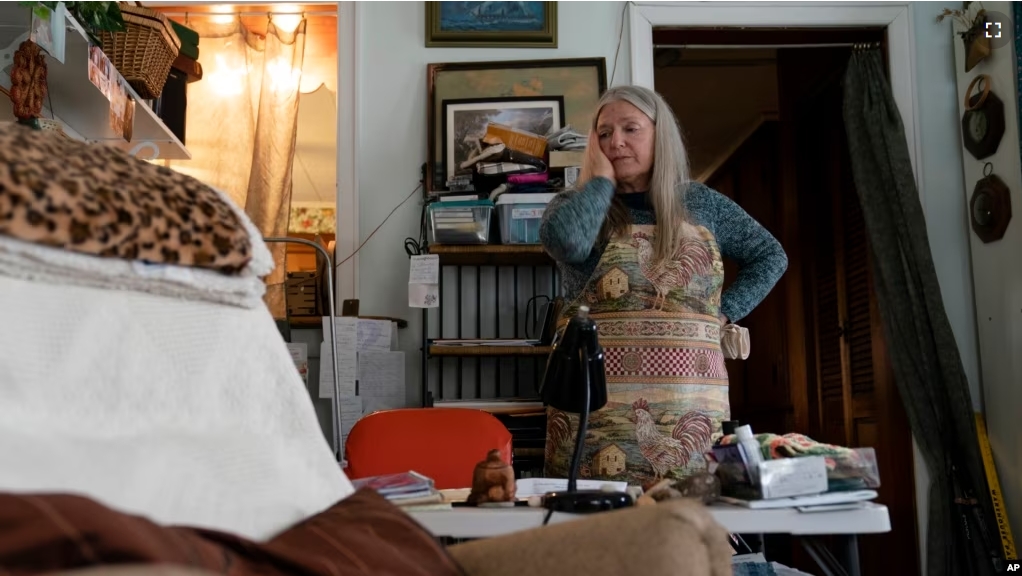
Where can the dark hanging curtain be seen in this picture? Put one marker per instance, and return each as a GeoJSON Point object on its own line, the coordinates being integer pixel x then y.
{"type": "Point", "coordinates": [924, 355]}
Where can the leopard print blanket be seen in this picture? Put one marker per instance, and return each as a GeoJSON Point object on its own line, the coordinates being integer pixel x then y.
{"type": "Point", "coordinates": [97, 200]}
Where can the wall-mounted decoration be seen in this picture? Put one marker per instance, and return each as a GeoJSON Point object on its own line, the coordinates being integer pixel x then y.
{"type": "Point", "coordinates": [312, 220]}
{"type": "Point", "coordinates": [491, 24]}
{"type": "Point", "coordinates": [983, 121]}
{"type": "Point", "coordinates": [49, 29]}
{"type": "Point", "coordinates": [990, 206]}
{"type": "Point", "coordinates": [464, 123]}
{"type": "Point", "coordinates": [971, 27]}
{"type": "Point", "coordinates": [580, 82]}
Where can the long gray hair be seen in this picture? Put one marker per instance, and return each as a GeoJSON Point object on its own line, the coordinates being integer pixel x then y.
{"type": "Point", "coordinates": [669, 178]}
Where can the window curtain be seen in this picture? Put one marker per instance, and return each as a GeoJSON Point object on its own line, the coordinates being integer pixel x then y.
{"type": "Point", "coordinates": [927, 366]}
{"type": "Point", "coordinates": [242, 123]}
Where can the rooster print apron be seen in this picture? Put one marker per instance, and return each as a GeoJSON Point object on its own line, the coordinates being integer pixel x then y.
{"type": "Point", "coordinates": [667, 384]}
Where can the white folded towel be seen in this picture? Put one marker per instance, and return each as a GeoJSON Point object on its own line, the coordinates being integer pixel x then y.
{"type": "Point", "coordinates": [567, 138]}
{"type": "Point", "coordinates": [29, 261]}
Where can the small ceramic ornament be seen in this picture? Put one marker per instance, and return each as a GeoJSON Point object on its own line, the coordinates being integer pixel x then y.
{"type": "Point", "coordinates": [493, 482]}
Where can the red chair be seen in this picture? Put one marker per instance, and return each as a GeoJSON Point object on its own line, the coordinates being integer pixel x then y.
{"type": "Point", "coordinates": [442, 443]}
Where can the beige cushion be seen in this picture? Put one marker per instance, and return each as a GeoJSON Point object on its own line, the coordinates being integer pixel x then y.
{"type": "Point", "coordinates": [675, 538]}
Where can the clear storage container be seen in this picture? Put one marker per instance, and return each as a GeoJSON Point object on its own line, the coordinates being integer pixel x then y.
{"type": "Point", "coordinates": [520, 216]}
{"type": "Point", "coordinates": [462, 222]}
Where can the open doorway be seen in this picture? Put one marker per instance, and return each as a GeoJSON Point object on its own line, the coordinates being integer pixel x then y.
{"type": "Point", "coordinates": [263, 128]}
{"type": "Point", "coordinates": [761, 113]}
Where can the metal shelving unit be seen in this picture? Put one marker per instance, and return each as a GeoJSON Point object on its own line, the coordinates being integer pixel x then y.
{"type": "Point", "coordinates": [517, 258]}
{"type": "Point", "coordinates": [509, 371]}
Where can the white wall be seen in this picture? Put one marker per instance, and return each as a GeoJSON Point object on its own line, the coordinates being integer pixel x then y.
{"type": "Point", "coordinates": [392, 140]}
{"type": "Point", "coordinates": [946, 216]}
{"type": "Point", "coordinates": [946, 212]}
{"type": "Point", "coordinates": [976, 279]}
{"type": "Point", "coordinates": [997, 274]}
{"type": "Point", "coordinates": [392, 92]}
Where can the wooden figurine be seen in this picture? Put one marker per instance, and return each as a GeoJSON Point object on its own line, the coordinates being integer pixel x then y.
{"type": "Point", "coordinates": [493, 482]}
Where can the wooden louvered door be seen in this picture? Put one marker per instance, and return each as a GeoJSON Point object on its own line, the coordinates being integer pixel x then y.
{"type": "Point", "coordinates": [843, 325]}
{"type": "Point", "coordinates": [851, 394]}
{"type": "Point", "coordinates": [759, 386]}
{"type": "Point", "coordinates": [819, 363]}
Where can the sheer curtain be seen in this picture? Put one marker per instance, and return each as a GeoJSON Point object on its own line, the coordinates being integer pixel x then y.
{"type": "Point", "coordinates": [242, 122]}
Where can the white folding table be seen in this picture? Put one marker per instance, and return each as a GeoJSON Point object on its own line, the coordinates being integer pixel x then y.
{"type": "Point", "coordinates": [844, 525]}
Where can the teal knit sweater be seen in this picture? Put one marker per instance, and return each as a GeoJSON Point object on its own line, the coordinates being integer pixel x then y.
{"type": "Point", "coordinates": [572, 222]}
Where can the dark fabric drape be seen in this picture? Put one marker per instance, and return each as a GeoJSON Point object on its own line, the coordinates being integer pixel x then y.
{"type": "Point", "coordinates": [927, 367]}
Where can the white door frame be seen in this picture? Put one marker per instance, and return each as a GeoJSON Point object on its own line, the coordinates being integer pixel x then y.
{"type": "Point", "coordinates": [348, 126]}
{"type": "Point", "coordinates": [896, 16]}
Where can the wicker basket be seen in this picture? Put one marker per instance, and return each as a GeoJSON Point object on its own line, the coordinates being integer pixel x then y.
{"type": "Point", "coordinates": [144, 52]}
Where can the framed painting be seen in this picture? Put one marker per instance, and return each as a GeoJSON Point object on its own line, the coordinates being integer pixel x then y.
{"type": "Point", "coordinates": [578, 82]}
{"type": "Point", "coordinates": [491, 24]}
{"type": "Point", "coordinates": [465, 120]}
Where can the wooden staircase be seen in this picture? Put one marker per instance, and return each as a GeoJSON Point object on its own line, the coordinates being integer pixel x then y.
{"type": "Point", "coordinates": [707, 173]}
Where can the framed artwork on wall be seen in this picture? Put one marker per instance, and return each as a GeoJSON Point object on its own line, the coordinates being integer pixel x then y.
{"type": "Point", "coordinates": [465, 120]}
{"type": "Point", "coordinates": [491, 24]}
{"type": "Point", "coordinates": [578, 83]}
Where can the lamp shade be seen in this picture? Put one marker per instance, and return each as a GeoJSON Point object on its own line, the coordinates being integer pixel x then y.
{"type": "Point", "coordinates": [576, 362]}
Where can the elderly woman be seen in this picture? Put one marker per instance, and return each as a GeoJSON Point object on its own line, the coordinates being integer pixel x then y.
{"type": "Point", "coordinates": [641, 246]}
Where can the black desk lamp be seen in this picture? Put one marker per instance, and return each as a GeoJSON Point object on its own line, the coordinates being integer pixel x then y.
{"type": "Point", "coordinates": [576, 381]}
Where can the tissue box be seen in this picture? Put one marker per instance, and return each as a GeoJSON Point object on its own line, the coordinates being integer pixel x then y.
{"type": "Point", "coordinates": [787, 477]}
{"type": "Point", "coordinates": [780, 478]}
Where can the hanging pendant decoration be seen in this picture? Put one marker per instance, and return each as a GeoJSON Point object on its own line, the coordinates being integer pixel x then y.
{"type": "Point", "coordinates": [28, 83]}
{"type": "Point", "coordinates": [990, 206]}
{"type": "Point", "coordinates": [979, 28]}
{"type": "Point", "coordinates": [977, 43]}
{"type": "Point", "coordinates": [983, 121]}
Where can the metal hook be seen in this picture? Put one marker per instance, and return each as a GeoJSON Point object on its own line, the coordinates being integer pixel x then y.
{"type": "Point", "coordinates": [988, 169]}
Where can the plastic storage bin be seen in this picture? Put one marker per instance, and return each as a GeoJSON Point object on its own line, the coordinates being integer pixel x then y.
{"type": "Point", "coordinates": [464, 222]}
{"type": "Point", "coordinates": [520, 216]}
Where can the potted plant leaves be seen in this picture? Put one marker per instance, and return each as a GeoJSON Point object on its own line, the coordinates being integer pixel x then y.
{"type": "Point", "coordinates": [95, 17]}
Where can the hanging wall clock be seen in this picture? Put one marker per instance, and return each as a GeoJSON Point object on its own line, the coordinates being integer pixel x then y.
{"type": "Point", "coordinates": [983, 122]}
{"type": "Point", "coordinates": [990, 206]}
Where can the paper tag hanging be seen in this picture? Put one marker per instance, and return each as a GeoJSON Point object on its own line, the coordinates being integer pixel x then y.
{"type": "Point", "coordinates": [424, 281]}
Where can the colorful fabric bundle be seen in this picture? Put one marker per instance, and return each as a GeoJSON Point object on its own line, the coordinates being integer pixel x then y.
{"type": "Point", "coordinates": [847, 468]}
